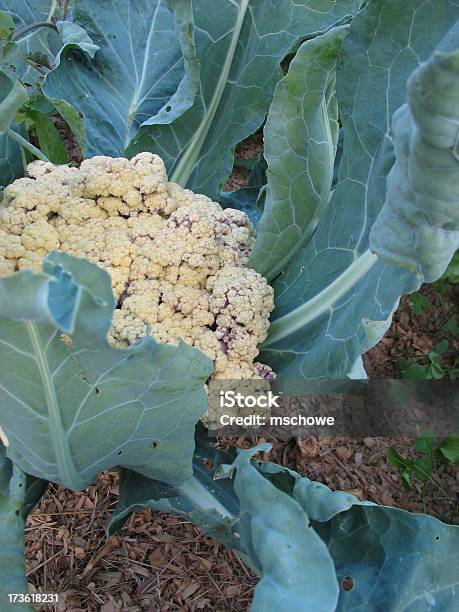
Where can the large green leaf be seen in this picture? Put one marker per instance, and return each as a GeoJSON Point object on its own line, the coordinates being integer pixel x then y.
{"type": "Point", "coordinates": [264, 524]}
{"type": "Point", "coordinates": [42, 42]}
{"type": "Point", "coordinates": [12, 97]}
{"type": "Point", "coordinates": [31, 12]}
{"type": "Point", "coordinates": [335, 299]}
{"type": "Point", "coordinates": [396, 560]}
{"type": "Point", "coordinates": [426, 174]}
{"type": "Point", "coordinates": [13, 498]}
{"type": "Point", "coordinates": [134, 74]}
{"type": "Point", "coordinates": [276, 535]}
{"type": "Point", "coordinates": [70, 412]}
{"type": "Point", "coordinates": [41, 47]}
{"type": "Point", "coordinates": [49, 138]}
{"type": "Point", "coordinates": [250, 198]}
{"type": "Point", "coordinates": [11, 161]}
{"type": "Point", "coordinates": [303, 539]}
{"type": "Point", "coordinates": [300, 137]}
{"type": "Point", "coordinates": [74, 37]}
{"type": "Point", "coordinates": [239, 46]}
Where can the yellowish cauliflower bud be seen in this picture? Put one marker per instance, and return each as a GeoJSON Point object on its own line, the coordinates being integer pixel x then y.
{"type": "Point", "coordinates": [13, 220]}
{"type": "Point", "coordinates": [7, 266]}
{"type": "Point", "coordinates": [236, 370]}
{"type": "Point", "coordinates": [10, 246]}
{"type": "Point", "coordinates": [145, 225]}
{"type": "Point", "coordinates": [176, 259]}
{"type": "Point", "coordinates": [33, 260]}
{"type": "Point", "coordinates": [10, 250]}
{"type": "Point", "coordinates": [40, 235]}
{"type": "Point", "coordinates": [243, 296]}
{"type": "Point", "coordinates": [120, 278]}
{"type": "Point", "coordinates": [129, 180]}
{"type": "Point", "coordinates": [198, 239]}
{"type": "Point", "coordinates": [74, 211]}
{"type": "Point", "coordinates": [177, 197]}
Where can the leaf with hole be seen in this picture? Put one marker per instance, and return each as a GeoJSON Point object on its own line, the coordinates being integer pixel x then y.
{"type": "Point", "coordinates": [70, 412]}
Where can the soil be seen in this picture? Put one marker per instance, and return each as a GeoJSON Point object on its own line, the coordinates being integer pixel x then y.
{"type": "Point", "coordinates": [161, 562]}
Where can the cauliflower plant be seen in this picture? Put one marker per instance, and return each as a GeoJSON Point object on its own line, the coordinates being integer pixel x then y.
{"type": "Point", "coordinates": [176, 259]}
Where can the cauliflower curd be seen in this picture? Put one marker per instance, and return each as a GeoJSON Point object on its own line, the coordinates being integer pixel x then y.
{"type": "Point", "coordinates": [176, 259]}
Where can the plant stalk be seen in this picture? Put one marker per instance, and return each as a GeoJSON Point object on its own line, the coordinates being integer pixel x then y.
{"type": "Point", "coordinates": [52, 10]}
{"type": "Point", "coordinates": [31, 28]}
{"type": "Point", "coordinates": [25, 144]}
{"type": "Point", "coordinates": [65, 7]}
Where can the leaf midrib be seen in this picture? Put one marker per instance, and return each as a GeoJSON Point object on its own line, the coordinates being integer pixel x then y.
{"type": "Point", "coordinates": [185, 167]}
{"type": "Point", "coordinates": [298, 318]}
{"type": "Point", "coordinates": [132, 112]}
{"type": "Point", "coordinates": [64, 462]}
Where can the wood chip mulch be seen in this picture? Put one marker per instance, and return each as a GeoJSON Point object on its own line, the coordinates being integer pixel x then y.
{"type": "Point", "coordinates": [157, 562]}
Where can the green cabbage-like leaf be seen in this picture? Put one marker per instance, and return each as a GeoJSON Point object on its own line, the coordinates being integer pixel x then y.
{"type": "Point", "coordinates": [239, 46]}
{"type": "Point", "coordinates": [300, 137]}
{"type": "Point", "coordinates": [335, 299]}
{"type": "Point", "coordinates": [395, 560]}
{"type": "Point", "coordinates": [73, 34]}
{"type": "Point", "coordinates": [30, 12]}
{"type": "Point", "coordinates": [263, 524]}
{"type": "Point", "coordinates": [418, 227]}
{"type": "Point", "coordinates": [304, 539]}
{"type": "Point", "coordinates": [276, 535]}
{"type": "Point", "coordinates": [137, 69]}
{"type": "Point", "coordinates": [12, 97]}
{"type": "Point", "coordinates": [11, 161]}
{"type": "Point", "coordinates": [13, 499]}
{"type": "Point", "coordinates": [49, 138]}
{"type": "Point", "coordinates": [43, 42]}
{"type": "Point", "coordinates": [70, 412]}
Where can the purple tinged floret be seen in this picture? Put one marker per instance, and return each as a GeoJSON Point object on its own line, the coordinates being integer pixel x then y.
{"type": "Point", "coordinates": [185, 222]}
{"type": "Point", "coordinates": [266, 373]}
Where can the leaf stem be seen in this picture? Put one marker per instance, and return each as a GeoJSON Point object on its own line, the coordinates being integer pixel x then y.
{"type": "Point", "coordinates": [187, 162]}
{"type": "Point", "coordinates": [25, 144]}
{"type": "Point", "coordinates": [65, 465]}
{"type": "Point", "coordinates": [323, 302]}
{"type": "Point", "coordinates": [31, 28]}
{"type": "Point", "coordinates": [52, 10]}
{"type": "Point", "coordinates": [65, 6]}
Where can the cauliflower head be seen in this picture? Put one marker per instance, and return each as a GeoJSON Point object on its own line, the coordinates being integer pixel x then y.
{"type": "Point", "coordinates": [176, 259]}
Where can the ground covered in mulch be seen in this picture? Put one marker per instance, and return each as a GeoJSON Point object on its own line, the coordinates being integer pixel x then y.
{"type": "Point", "coordinates": [160, 562]}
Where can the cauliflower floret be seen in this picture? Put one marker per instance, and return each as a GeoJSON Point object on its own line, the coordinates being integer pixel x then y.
{"type": "Point", "coordinates": [32, 260]}
{"type": "Point", "coordinates": [40, 235]}
{"type": "Point", "coordinates": [176, 259]}
{"type": "Point", "coordinates": [10, 246]}
{"type": "Point", "coordinates": [177, 197]}
{"type": "Point", "coordinates": [13, 220]}
{"type": "Point", "coordinates": [198, 239]}
{"type": "Point", "coordinates": [11, 250]}
{"type": "Point", "coordinates": [82, 209]}
{"type": "Point", "coordinates": [7, 266]}
{"type": "Point", "coordinates": [241, 296]}
{"type": "Point", "coordinates": [126, 329]}
{"type": "Point", "coordinates": [119, 276]}
{"type": "Point", "coordinates": [145, 225]}
{"type": "Point", "coordinates": [128, 180]}
{"type": "Point", "coordinates": [82, 240]}
{"type": "Point", "coordinates": [50, 189]}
